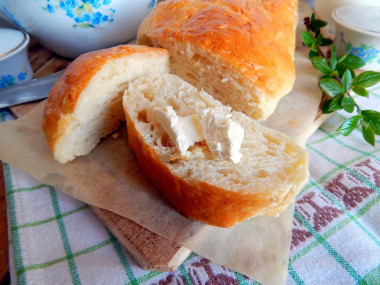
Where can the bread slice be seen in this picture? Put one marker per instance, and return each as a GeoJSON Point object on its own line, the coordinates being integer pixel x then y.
{"type": "Point", "coordinates": [239, 51]}
{"type": "Point", "coordinates": [85, 103]}
{"type": "Point", "coordinates": [218, 192]}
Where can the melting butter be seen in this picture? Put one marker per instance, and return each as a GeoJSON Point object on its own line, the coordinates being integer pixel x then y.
{"type": "Point", "coordinates": [183, 131]}
{"type": "Point", "coordinates": [223, 136]}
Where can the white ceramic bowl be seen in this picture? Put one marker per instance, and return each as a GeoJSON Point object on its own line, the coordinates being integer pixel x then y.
{"type": "Point", "coordinates": [72, 27]}
{"type": "Point", "coordinates": [358, 32]}
{"type": "Point", "coordinates": [14, 62]}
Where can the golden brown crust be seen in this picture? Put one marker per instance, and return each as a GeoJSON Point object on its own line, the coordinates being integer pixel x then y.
{"type": "Point", "coordinates": [65, 93]}
{"type": "Point", "coordinates": [202, 201]}
{"type": "Point", "coordinates": [256, 37]}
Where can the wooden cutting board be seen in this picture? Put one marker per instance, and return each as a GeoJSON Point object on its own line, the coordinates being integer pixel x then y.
{"type": "Point", "coordinates": [151, 251]}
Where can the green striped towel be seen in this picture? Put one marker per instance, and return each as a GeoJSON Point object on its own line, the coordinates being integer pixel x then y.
{"type": "Point", "coordinates": [55, 239]}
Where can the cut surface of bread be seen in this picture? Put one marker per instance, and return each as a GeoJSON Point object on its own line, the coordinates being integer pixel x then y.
{"type": "Point", "coordinates": [239, 51]}
{"type": "Point", "coordinates": [219, 192]}
{"type": "Point", "coordinates": [85, 103]}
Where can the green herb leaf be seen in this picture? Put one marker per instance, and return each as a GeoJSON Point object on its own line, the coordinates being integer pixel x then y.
{"type": "Point", "coordinates": [326, 106]}
{"type": "Point", "coordinates": [372, 114]}
{"type": "Point", "coordinates": [336, 104]}
{"type": "Point", "coordinates": [366, 79]}
{"type": "Point", "coordinates": [321, 64]}
{"type": "Point", "coordinates": [372, 118]}
{"type": "Point", "coordinates": [348, 47]}
{"type": "Point", "coordinates": [360, 91]}
{"type": "Point", "coordinates": [319, 39]}
{"type": "Point", "coordinates": [346, 80]}
{"type": "Point", "coordinates": [349, 125]}
{"type": "Point", "coordinates": [326, 42]}
{"type": "Point", "coordinates": [368, 134]}
{"type": "Point", "coordinates": [317, 24]}
{"type": "Point", "coordinates": [307, 38]}
{"type": "Point", "coordinates": [348, 104]}
{"type": "Point", "coordinates": [331, 86]}
{"type": "Point", "coordinates": [314, 47]}
{"type": "Point", "coordinates": [313, 53]}
{"type": "Point", "coordinates": [341, 68]}
{"type": "Point", "coordinates": [333, 60]}
{"type": "Point", "coordinates": [351, 61]}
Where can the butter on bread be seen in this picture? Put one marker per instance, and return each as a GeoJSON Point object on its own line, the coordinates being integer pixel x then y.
{"type": "Point", "coordinates": [219, 192]}
{"type": "Point", "coordinates": [239, 51]}
{"type": "Point", "coordinates": [85, 103]}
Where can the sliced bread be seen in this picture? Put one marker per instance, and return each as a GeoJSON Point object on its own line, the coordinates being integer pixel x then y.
{"type": "Point", "coordinates": [216, 191]}
{"type": "Point", "coordinates": [85, 103]}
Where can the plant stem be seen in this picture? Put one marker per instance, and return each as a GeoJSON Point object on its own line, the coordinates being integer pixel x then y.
{"type": "Point", "coordinates": [359, 110]}
{"type": "Point", "coordinates": [320, 52]}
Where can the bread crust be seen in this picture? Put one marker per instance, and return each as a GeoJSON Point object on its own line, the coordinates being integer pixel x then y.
{"type": "Point", "coordinates": [65, 93]}
{"type": "Point", "coordinates": [255, 37]}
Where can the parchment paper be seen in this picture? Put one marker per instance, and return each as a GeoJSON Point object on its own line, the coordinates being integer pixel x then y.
{"type": "Point", "coordinates": [295, 114]}
{"type": "Point", "coordinates": [110, 178]}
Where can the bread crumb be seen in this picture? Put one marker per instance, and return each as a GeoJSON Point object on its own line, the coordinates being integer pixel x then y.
{"type": "Point", "coordinates": [115, 136]}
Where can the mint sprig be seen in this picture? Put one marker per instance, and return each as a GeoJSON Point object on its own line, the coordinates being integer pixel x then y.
{"type": "Point", "coordinates": [339, 81]}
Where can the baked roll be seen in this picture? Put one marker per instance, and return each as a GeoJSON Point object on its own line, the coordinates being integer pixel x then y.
{"type": "Point", "coordinates": [239, 51]}
{"type": "Point", "coordinates": [200, 182]}
{"type": "Point", "coordinates": [85, 104]}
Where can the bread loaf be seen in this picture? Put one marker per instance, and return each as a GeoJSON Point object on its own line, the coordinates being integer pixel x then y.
{"type": "Point", "coordinates": [239, 51]}
{"type": "Point", "coordinates": [85, 103]}
{"type": "Point", "coordinates": [219, 192]}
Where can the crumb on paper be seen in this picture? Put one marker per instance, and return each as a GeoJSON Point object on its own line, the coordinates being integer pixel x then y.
{"type": "Point", "coordinates": [115, 135]}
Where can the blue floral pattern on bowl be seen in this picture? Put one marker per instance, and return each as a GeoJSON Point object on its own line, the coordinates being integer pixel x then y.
{"type": "Point", "coordinates": [9, 79]}
{"type": "Point", "coordinates": [85, 13]}
{"type": "Point", "coordinates": [152, 3]}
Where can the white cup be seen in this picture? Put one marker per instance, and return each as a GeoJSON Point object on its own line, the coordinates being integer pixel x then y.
{"type": "Point", "coordinates": [324, 8]}
{"type": "Point", "coordinates": [358, 33]}
{"type": "Point", "coordinates": [14, 63]}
